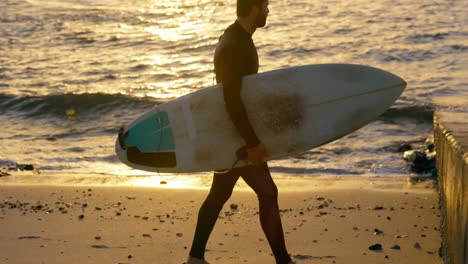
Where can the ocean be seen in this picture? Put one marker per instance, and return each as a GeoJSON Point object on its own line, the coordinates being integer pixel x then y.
{"type": "Point", "coordinates": [73, 71]}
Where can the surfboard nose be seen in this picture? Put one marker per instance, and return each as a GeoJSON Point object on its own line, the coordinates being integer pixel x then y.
{"type": "Point", "coordinates": [389, 79]}
{"type": "Point", "coordinates": [403, 82]}
{"type": "Point", "coordinates": [375, 77]}
{"type": "Point", "coordinates": [399, 81]}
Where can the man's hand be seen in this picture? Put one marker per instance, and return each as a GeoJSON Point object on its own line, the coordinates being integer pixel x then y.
{"type": "Point", "coordinates": [257, 154]}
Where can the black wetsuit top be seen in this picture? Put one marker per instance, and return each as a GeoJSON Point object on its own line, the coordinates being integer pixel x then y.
{"type": "Point", "coordinates": [235, 57]}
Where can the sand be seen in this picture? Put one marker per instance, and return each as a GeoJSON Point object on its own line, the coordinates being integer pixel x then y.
{"type": "Point", "coordinates": [332, 220]}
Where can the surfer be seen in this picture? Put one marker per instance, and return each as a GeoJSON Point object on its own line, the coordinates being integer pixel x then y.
{"type": "Point", "coordinates": [236, 56]}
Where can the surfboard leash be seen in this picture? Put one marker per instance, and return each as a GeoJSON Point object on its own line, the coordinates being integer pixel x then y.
{"type": "Point", "coordinates": [241, 154]}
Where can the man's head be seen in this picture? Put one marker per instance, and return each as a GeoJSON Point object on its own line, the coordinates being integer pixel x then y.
{"type": "Point", "coordinates": [256, 10]}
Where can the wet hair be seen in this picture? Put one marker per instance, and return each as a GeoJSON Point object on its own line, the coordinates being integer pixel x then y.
{"type": "Point", "coordinates": [245, 6]}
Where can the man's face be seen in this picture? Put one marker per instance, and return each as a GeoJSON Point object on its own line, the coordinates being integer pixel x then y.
{"type": "Point", "coordinates": [262, 14]}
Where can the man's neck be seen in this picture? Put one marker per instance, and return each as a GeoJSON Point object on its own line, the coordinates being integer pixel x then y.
{"type": "Point", "coordinates": [247, 25]}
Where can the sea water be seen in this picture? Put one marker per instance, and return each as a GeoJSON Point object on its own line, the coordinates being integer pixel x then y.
{"type": "Point", "coordinates": [73, 71]}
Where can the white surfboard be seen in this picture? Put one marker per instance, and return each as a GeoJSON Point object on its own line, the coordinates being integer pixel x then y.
{"type": "Point", "coordinates": [291, 110]}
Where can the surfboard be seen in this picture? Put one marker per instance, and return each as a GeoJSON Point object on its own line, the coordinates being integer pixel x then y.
{"type": "Point", "coordinates": [291, 110]}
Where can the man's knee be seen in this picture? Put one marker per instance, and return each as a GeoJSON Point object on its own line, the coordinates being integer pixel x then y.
{"type": "Point", "coordinates": [268, 196]}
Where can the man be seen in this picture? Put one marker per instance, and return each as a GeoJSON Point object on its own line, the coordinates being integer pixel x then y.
{"type": "Point", "coordinates": [235, 57]}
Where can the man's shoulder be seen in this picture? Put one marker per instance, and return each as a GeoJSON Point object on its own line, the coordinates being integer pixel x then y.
{"type": "Point", "coordinates": [230, 30]}
{"type": "Point", "coordinates": [233, 35]}
{"type": "Point", "coordinates": [230, 41]}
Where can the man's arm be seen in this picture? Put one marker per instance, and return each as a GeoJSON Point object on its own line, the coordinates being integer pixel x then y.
{"type": "Point", "coordinates": [232, 71]}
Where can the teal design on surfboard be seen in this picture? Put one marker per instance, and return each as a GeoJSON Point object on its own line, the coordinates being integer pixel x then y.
{"type": "Point", "coordinates": [152, 134]}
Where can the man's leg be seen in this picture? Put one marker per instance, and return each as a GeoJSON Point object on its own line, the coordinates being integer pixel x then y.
{"type": "Point", "coordinates": [221, 190]}
{"type": "Point", "coordinates": [259, 179]}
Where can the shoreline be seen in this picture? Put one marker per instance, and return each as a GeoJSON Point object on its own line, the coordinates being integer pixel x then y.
{"type": "Point", "coordinates": [202, 181]}
{"type": "Point", "coordinates": [332, 221]}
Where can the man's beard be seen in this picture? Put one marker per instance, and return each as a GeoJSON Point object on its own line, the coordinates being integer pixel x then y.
{"type": "Point", "coordinates": [261, 21]}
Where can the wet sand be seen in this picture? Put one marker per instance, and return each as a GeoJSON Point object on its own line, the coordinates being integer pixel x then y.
{"type": "Point", "coordinates": [325, 221]}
